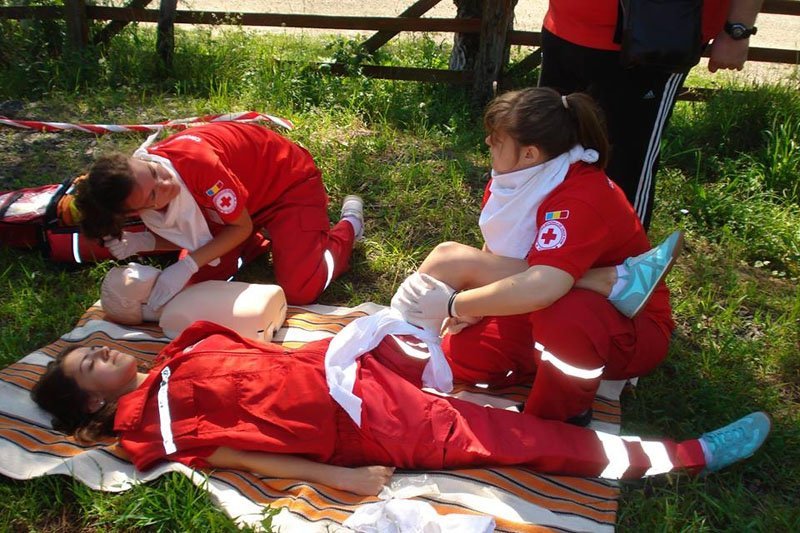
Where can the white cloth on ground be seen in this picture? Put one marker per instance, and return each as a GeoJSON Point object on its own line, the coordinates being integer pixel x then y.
{"type": "Point", "coordinates": [414, 516]}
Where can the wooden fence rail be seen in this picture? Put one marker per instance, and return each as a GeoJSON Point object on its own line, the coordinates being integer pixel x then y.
{"type": "Point", "coordinates": [493, 29]}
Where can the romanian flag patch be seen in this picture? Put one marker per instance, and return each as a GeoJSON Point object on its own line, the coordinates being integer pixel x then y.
{"type": "Point", "coordinates": [557, 215]}
{"type": "Point", "coordinates": [215, 189]}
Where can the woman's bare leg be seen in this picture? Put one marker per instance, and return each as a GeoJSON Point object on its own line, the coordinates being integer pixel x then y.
{"type": "Point", "coordinates": [465, 267]}
{"type": "Point", "coordinates": [599, 280]}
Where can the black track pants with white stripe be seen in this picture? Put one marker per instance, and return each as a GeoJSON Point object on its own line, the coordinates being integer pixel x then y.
{"type": "Point", "coordinates": [637, 104]}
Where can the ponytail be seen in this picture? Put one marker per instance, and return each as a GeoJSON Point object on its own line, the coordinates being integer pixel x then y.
{"type": "Point", "coordinates": [591, 128]}
{"type": "Point", "coordinates": [541, 117]}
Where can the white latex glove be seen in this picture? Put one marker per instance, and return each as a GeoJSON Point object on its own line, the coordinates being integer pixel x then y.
{"type": "Point", "coordinates": [422, 299]}
{"type": "Point", "coordinates": [171, 281]}
{"type": "Point", "coordinates": [131, 244]}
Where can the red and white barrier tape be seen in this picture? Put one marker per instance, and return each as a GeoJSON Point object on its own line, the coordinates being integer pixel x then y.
{"type": "Point", "coordinates": [178, 124]}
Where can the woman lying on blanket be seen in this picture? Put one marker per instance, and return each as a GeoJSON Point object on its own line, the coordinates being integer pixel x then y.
{"type": "Point", "coordinates": [215, 399]}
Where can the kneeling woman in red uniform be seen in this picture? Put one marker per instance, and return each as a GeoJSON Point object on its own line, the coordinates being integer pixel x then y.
{"type": "Point", "coordinates": [550, 215]}
{"type": "Point", "coordinates": [210, 190]}
{"type": "Point", "coordinates": [214, 399]}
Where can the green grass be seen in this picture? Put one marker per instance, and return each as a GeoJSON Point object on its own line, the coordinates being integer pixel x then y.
{"type": "Point", "coordinates": [416, 154]}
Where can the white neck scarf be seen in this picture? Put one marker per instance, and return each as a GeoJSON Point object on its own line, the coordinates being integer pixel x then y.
{"type": "Point", "coordinates": [508, 220]}
{"type": "Point", "coordinates": [364, 334]}
{"type": "Point", "coordinates": [181, 223]}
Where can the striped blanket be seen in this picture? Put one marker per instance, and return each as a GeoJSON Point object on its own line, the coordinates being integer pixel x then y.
{"type": "Point", "coordinates": [518, 498]}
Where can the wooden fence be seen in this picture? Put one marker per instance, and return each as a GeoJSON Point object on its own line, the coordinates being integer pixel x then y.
{"type": "Point", "coordinates": [486, 57]}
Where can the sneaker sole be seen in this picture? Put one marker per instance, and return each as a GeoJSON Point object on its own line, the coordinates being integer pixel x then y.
{"type": "Point", "coordinates": [676, 251]}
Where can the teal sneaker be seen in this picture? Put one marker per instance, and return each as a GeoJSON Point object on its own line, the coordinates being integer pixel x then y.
{"type": "Point", "coordinates": [645, 272]}
{"type": "Point", "coordinates": [736, 441]}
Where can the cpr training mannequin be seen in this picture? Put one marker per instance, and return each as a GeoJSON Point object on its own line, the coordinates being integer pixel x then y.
{"type": "Point", "coordinates": [254, 311]}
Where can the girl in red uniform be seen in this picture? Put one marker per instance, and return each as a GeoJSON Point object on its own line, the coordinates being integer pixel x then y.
{"type": "Point", "coordinates": [215, 399]}
{"type": "Point", "coordinates": [550, 215]}
{"type": "Point", "coordinates": [211, 190]}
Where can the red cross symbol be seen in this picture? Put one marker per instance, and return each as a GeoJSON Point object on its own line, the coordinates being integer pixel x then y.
{"type": "Point", "coordinates": [549, 236]}
{"type": "Point", "coordinates": [225, 202]}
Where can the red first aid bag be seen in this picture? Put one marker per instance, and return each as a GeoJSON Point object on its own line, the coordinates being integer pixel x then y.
{"type": "Point", "coordinates": [22, 215]}
{"type": "Point", "coordinates": [45, 218]}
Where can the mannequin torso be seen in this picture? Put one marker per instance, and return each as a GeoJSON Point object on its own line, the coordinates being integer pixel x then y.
{"type": "Point", "coordinates": [252, 310]}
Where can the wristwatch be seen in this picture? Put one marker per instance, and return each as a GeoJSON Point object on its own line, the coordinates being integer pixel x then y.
{"type": "Point", "coordinates": [739, 31]}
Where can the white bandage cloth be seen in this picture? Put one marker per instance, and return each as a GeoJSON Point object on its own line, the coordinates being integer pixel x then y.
{"type": "Point", "coordinates": [181, 223]}
{"type": "Point", "coordinates": [508, 220]}
{"type": "Point", "coordinates": [364, 334]}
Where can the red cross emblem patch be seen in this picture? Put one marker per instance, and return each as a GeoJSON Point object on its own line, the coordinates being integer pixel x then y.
{"type": "Point", "coordinates": [225, 201]}
{"type": "Point", "coordinates": [552, 234]}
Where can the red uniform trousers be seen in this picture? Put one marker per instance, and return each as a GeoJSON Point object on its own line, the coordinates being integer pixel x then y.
{"type": "Point", "coordinates": [307, 253]}
{"type": "Point", "coordinates": [564, 349]}
{"type": "Point", "coordinates": [404, 427]}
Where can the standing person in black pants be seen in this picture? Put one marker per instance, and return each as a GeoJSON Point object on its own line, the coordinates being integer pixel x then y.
{"type": "Point", "coordinates": [579, 54]}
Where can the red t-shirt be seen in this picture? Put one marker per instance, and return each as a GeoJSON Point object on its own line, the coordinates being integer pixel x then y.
{"type": "Point", "coordinates": [593, 23]}
{"type": "Point", "coordinates": [230, 166]}
{"type": "Point", "coordinates": [587, 222]}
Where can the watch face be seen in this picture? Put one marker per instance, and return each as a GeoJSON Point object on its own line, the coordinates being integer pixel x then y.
{"type": "Point", "coordinates": [739, 31]}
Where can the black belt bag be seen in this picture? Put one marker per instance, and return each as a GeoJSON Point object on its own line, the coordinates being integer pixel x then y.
{"type": "Point", "coordinates": [661, 34]}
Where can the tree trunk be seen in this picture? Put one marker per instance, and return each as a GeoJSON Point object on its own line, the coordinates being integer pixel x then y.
{"type": "Point", "coordinates": [493, 49]}
{"type": "Point", "coordinates": [165, 42]}
{"type": "Point", "coordinates": [77, 27]}
{"type": "Point", "coordinates": [465, 45]}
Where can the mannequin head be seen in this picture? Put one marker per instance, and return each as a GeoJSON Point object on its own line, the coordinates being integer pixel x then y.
{"type": "Point", "coordinates": [125, 290]}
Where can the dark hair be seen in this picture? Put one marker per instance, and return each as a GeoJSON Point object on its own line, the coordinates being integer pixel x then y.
{"type": "Point", "coordinates": [100, 197]}
{"type": "Point", "coordinates": [538, 116]}
{"type": "Point", "coordinates": [59, 395]}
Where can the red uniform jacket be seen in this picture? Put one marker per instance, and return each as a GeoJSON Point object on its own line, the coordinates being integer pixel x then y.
{"type": "Point", "coordinates": [230, 166]}
{"type": "Point", "coordinates": [587, 222]}
{"type": "Point", "coordinates": [227, 391]}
